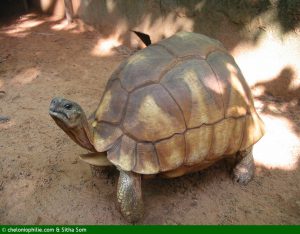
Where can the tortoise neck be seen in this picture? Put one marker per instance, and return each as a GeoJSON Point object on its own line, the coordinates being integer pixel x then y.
{"type": "Point", "coordinates": [82, 135]}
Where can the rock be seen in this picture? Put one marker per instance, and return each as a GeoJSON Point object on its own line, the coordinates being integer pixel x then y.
{"type": "Point", "coordinates": [4, 119]}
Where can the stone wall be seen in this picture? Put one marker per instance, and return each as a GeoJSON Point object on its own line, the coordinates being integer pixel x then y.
{"type": "Point", "coordinates": [262, 35]}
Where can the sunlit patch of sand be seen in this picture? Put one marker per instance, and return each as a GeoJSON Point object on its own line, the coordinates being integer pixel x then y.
{"type": "Point", "coordinates": [280, 147]}
{"type": "Point", "coordinates": [268, 57]}
{"type": "Point", "coordinates": [22, 28]}
{"type": "Point", "coordinates": [105, 47]}
{"type": "Point", "coordinates": [25, 76]}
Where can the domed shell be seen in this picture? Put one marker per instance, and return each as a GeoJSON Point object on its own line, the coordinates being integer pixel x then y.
{"type": "Point", "coordinates": [175, 104]}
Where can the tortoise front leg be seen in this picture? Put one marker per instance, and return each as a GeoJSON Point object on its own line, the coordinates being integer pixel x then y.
{"type": "Point", "coordinates": [243, 172]}
{"type": "Point", "coordinates": [129, 196]}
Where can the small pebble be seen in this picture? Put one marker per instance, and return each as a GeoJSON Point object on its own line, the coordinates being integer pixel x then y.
{"type": "Point", "coordinates": [4, 119]}
{"type": "Point", "coordinates": [74, 162]}
{"type": "Point", "coordinates": [2, 93]}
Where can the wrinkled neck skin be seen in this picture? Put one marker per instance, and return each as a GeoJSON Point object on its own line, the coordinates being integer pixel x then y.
{"type": "Point", "coordinates": [81, 134]}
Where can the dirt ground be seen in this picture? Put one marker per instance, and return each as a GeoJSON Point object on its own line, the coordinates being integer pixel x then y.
{"type": "Point", "coordinates": [42, 181]}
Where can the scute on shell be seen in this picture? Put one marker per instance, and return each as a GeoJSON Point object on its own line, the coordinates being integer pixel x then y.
{"type": "Point", "coordinates": [152, 114]}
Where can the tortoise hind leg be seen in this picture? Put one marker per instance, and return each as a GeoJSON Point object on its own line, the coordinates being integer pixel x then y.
{"type": "Point", "coordinates": [129, 196]}
{"type": "Point", "coordinates": [243, 171]}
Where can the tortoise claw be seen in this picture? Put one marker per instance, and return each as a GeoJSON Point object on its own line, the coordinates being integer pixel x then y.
{"type": "Point", "coordinates": [242, 175]}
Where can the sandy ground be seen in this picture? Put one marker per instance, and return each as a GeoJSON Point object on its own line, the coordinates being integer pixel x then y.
{"type": "Point", "coordinates": [43, 182]}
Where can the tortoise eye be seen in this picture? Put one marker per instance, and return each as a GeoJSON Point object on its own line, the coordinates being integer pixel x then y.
{"type": "Point", "coordinates": [68, 106]}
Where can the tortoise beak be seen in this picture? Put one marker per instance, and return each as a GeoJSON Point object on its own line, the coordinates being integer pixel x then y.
{"type": "Point", "coordinates": [54, 109]}
{"type": "Point", "coordinates": [55, 102]}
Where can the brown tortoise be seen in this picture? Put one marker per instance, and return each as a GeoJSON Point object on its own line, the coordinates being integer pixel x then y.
{"type": "Point", "coordinates": [172, 108]}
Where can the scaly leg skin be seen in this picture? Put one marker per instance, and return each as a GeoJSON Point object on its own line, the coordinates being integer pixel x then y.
{"type": "Point", "coordinates": [129, 196]}
{"type": "Point", "coordinates": [244, 169]}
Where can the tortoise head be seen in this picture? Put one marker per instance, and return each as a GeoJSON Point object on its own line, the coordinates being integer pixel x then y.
{"type": "Point", "coordinates": [66, 113]}
{"type": "Point", "coordinates": [70, 117]}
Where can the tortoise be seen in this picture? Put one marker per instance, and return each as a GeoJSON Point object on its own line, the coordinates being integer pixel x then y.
{"type": "Point", "coordinates": [172, 108]}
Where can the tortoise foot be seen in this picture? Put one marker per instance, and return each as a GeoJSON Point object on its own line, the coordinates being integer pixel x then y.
{"type": "Point", "coordinates": [244, 170]}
